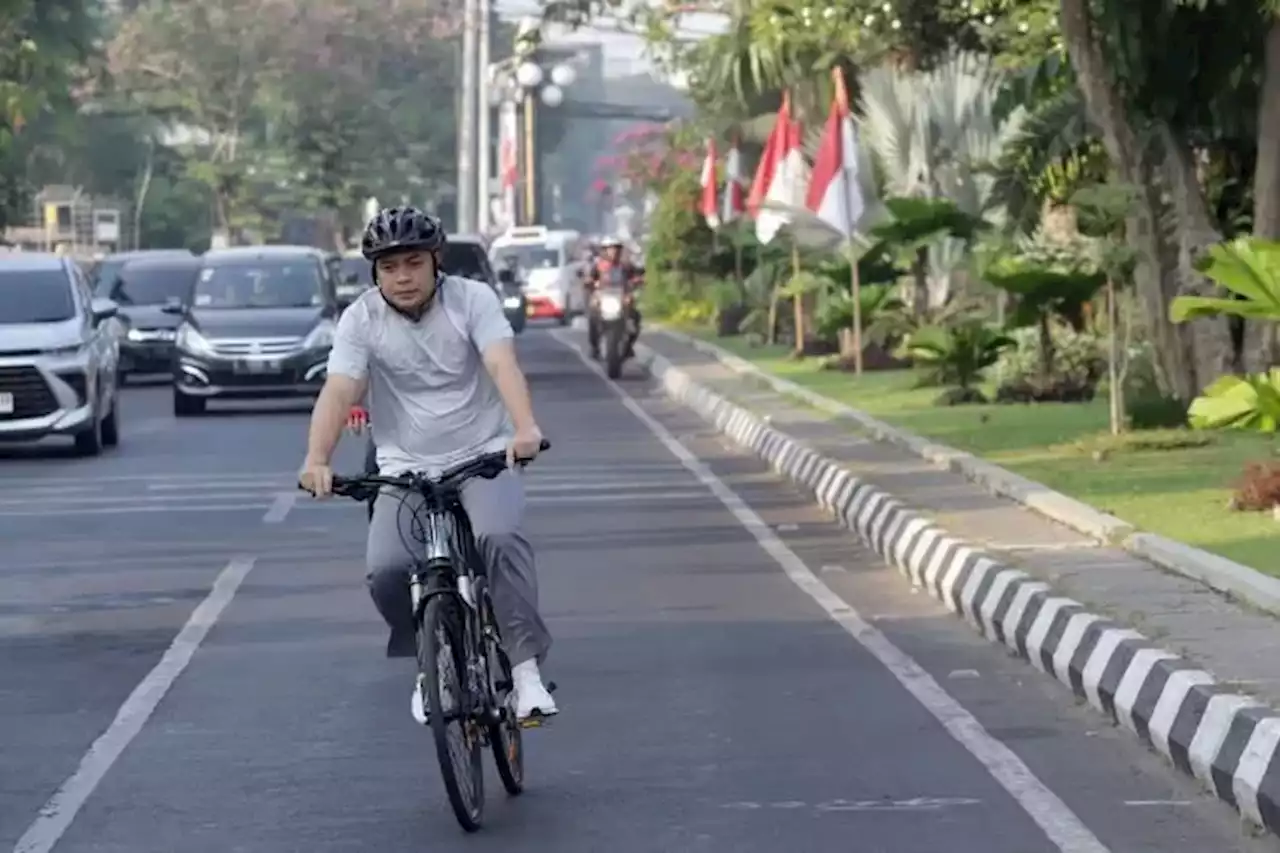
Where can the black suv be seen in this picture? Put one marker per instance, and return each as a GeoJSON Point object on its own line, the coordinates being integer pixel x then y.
{"type": "Point", "coordinates": [467, 256]}
{"type": "Point", "coordinates": [147, 290]}
{"type": "Point", "coordinates": [259, 324]}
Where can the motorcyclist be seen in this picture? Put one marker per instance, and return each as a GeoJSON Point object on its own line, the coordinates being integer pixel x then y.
{"type": "Point", "coordinates": [610, 262]}
{"type": "Point", "coordinates": [438, 350]}
{"type": "Point", "coordinates": [509, 272]}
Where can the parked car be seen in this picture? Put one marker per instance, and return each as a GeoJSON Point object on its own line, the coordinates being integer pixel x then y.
{"type": "Point", "coordinates": [468, 256]}
{"type": "Point", "coordinates": [58, 358]}
{"type": "Point", "coordinates": [143, 289]}
{"type": "Point", "coordinates": [259, 325]}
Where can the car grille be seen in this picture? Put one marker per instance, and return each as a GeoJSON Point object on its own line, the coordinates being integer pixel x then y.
{"type": "Point", "coordinates": [241, 347]}
{"type": "Point", "coordinates": [32, 397]}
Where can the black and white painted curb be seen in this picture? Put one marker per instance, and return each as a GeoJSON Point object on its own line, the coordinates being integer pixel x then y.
{"type": "Point", "coordinates": [1226, 740]}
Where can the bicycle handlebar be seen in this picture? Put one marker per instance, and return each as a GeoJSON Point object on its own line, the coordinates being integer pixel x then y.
{"type": "Point", "coordinates": [365, 486]}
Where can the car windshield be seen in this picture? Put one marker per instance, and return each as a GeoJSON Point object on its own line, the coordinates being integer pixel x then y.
{"type": "Point", "coordinates": [467, 260]}
{"type": "Point", "coordinates": [529, 257]}
{"type": "Point", "coordinates": [35, 296]}
{"type": "Point", "coordinates": [259, 283]}
{"type": "Point", "coordinates": [154, 285]}
{"type": "Point", "coordinates": [356, 271]}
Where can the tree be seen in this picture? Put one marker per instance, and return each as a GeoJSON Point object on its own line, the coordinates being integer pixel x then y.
{"type": "Point", "coordinates": [201, 64]}
{"type": "Point", "coordinates": [353, 113]}
{"type": "Point", "coordinates": [1149, 104]}
{"type": "Point", "coordinates": [43, 46]}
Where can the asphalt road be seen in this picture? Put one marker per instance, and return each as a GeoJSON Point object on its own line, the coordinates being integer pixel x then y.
{"type": "Point", "coordinates": [717, 695]}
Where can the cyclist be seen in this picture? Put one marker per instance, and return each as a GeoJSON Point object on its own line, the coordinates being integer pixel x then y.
{"type": "Point", "coordinates": [436, 353]}
{"type": "Point", "coordinates": [609, 262]}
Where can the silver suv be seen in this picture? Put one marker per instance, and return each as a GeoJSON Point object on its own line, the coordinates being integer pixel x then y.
{"type": "Point", "coordinates": [58, 354]}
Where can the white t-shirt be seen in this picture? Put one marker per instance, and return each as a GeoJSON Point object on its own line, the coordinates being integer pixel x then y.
{"type": "Point", "coordinates": [431, 399]}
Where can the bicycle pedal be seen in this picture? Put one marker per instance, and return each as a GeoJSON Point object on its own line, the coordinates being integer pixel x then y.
{"type": "Point", "coordinates": [536, 721]}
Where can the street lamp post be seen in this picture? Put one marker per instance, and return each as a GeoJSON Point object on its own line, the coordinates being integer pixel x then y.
{"type": "Point", "coordinates": [535, 86]}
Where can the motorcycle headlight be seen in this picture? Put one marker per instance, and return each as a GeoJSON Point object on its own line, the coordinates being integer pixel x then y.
{"type": "Point", "coordinates": [610, 306]}
{"type": "Point", "coordinates": [511, 302]}
{"type": "Point", "coordinates": [189, 340]}
{"type": "Point", "coordinates": [321, 337]}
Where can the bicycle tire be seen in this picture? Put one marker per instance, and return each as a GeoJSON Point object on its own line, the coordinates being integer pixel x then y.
{"type": "Point", "coordinates": [506, 737]}
{"type": "Point", "coordinates": [443, 620]}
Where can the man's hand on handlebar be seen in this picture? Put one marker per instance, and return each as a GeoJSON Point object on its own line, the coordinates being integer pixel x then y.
{"type": "Point", "coordinates": [316, 478]}
{"type": "Point", "coordinates": [525, 446]}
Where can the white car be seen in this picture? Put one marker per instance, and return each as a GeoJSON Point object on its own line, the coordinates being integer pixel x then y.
{"type": "Point", "coordinates": [553, 286]}
{"type": "Point", "coordinates": [59, 356]}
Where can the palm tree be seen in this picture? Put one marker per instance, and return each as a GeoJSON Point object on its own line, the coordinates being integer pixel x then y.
{"type": "Point", "coordinates": [933, 135]}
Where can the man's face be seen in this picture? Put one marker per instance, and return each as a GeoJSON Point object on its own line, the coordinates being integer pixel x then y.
{"type": "Point", "coordinates": [613, 254]}
{"type": "Point", "coordinates": [407, 279]}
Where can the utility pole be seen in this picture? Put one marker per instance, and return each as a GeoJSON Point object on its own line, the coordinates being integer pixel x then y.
{"type": "Point", "coordinates": [467, 120]}
{"type": "Point", "coordinates": [484, 145]}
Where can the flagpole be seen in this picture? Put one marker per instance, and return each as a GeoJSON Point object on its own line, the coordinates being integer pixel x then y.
{"type": "Point", "coordinates": [855, 280]}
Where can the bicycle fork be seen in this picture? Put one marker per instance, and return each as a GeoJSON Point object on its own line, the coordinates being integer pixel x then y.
{"type": "Point", "coordinates": [442, 557]}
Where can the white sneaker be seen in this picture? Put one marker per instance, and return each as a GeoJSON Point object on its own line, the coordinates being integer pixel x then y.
{"type": "Point", "coordinates": [533, 700]}
{"type": "Point", "coordinates": [418, 704]}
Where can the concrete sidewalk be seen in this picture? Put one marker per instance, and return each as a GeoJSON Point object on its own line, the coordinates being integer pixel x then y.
{"type": "Point", "coordinates": [1071, 606]}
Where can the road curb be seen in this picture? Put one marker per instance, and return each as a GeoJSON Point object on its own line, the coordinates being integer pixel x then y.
{"type": "Point", "coordinates": [1226, 740]}
{"type": "Point", "coordinates": [1216, 572]}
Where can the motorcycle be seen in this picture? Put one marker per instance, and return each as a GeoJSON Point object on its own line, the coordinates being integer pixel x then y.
{"type": "Point", "coordinates": [614, 321]}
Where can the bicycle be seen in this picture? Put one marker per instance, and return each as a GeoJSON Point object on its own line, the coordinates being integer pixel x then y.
{"type": "Point", "coordinates": [463, 669]}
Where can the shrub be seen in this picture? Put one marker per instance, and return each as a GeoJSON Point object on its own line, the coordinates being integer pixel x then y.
{"type": "Point", "coordinates": [1148, 407]}
{"type": "Point", "coordinates": [957, 356]}
{"type": "Point", "coordinates": [1078, 365]}
{"type": "Point", "coordinates": [1259, 488]}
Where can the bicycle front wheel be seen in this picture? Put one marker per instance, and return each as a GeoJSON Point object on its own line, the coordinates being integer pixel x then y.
{"type": "Point", "coordinates": [442, 660]}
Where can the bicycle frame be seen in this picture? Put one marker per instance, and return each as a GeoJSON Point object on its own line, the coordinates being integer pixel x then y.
{"type": "Point", "coordinates": [447, 565]}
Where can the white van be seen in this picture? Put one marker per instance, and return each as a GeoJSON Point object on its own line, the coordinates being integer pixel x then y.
{"type": "Point", "coordinates": [550, 263]}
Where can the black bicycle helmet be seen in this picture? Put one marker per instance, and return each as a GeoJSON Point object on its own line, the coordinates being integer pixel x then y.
{"type": "Point", "coordinates": [397, 229]}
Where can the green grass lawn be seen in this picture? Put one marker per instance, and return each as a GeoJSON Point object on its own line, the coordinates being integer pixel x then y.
{"type": "Point", "coordinates": [1179, 493]}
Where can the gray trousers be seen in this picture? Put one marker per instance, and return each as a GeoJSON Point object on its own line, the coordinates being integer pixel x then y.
{"type": "Point", "coordinates": [496, 510]}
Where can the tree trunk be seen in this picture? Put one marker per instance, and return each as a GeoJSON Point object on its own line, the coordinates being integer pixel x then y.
{"type": "Point", "coordinates": [1211, 338]}
{"type": "Point", "coordinates": [1046, 348]}
{"type": "Point", "coordinates": [771, 336]}
{"type": "Point", "coordinates": [1115, 384]}
{"type": "Point", "coordinates": [1156, 278]}
{"type": "Point", "coordinates": [920, 275]}
{"type": "Point", "coordinates": [1260, 344]}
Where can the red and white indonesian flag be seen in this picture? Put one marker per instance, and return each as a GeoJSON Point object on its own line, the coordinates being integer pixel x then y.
{"type": "Point", "coordinates": [508, 160]}
{"type": "Point", "coordinates": [735, 203]}
{"type": "Point", "coordinates": [778, 191]}
{"type": "Point", "coordinates": [835, 195]}
{"type": "Point", "coordinates": [709, 205]}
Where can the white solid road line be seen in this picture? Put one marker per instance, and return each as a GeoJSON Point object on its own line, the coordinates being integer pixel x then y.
{"type": "Point", "coordinates": [58, 813]}
{"type": "Point", "coordinates": [1061, 825]}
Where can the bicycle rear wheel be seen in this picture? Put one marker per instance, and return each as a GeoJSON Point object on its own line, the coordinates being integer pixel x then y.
{"type": "Point", "coordinates": [504, 733]}
{"type": "Point", "coordinates": [442, 660]}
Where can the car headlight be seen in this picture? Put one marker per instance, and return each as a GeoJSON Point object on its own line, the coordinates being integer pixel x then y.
{"type": "Point", "coordinates": [150, 335]}
{"type": "Point", "coordinates": [321, 337]}
{"type": "Point", "coordinates": [66, 352]}
{"type": "Point", "coordinates": [511, 302]}
{"type": "Point", "coordinates": [191, 341]}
